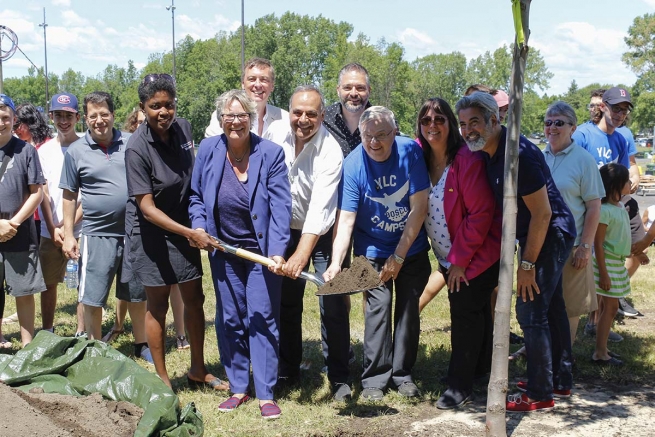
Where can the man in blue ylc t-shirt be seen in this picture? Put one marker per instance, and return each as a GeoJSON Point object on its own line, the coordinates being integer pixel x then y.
{"type": "Point", "coordinates": [545, 229]}
{"type": "Point", "coordinates": [383, 199]}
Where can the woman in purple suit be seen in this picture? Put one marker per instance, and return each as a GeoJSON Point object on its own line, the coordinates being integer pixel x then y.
{"type": "Point", "coordinates": [241, 194]}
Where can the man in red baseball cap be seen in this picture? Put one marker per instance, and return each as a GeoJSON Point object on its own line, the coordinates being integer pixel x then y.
{"type": "Point", "coordinates": [64, 114]}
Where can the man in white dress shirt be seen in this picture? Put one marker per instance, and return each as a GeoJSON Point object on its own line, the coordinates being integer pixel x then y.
{"type": "Point", "coordinates": [314, 158]}
{"type": "Point", "coordinates": [258, 81]}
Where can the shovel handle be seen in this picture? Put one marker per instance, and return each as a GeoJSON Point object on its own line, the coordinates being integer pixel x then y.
{"type": "Point", "coordinates": [254, 257]}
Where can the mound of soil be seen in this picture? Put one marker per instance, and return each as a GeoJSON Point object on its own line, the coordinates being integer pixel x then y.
{"type": "Point", "coordinates": [54, 415]}
{"type": "Point", "coordinates": [359, 277]}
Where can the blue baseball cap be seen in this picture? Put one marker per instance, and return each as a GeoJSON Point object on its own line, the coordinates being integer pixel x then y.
{"type": "Point", "coordinates": [6, 101]}
{"type": "Point", "coordinates": [64, 102]}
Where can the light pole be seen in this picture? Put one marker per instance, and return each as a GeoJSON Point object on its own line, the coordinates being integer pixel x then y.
{"type": "Point", "coordinates": [243, 39]}
{"type": "Point", "coordinates": [172, 9]}
{"type": "Point", "coordinates": [45, 49]}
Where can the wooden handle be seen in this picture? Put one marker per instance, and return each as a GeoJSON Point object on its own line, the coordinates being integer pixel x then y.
{"type": "Point", "coordinates": [250, 256]}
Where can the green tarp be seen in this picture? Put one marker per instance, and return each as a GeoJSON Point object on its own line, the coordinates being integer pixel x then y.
{"type": "Point", "coordinates": [79, 367]}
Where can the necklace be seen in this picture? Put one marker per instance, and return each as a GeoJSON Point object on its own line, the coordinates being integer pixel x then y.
{"type": "Point", "coordinates": [242, 156]}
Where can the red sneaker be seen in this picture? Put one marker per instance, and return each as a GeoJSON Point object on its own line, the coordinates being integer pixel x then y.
{"type": "Point", "coordinates": [523, 386]}
{"type": "Point", "coordinates": [519, 403]}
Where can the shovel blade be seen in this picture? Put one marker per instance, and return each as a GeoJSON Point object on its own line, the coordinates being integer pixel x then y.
{"type": "Point", "coordinates": [361, 276]}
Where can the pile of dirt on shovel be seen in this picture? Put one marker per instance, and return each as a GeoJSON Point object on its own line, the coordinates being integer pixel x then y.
{"type": "Point", "coordinates": [360, 276]}
{"type": "Point", "coordinates": [37, 414]}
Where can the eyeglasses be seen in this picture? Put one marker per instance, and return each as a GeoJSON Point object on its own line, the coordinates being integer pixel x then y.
{"type": "Point", "coordinates": [94, 117]}
{"type": "Point", "coordinates": [229, 118]}
{"type": "Point", "coordinates": [619, 110]}
{"type": "Point", "coordinates": [154, 76]}
{"type": "Point", "coordinates": [16, 125]}
{"type": "Point", "coordinates": [438, 119]}
{"type": "Point", "coordinates": [558, 123]}
{"type": "Point", "coordinates": [592, 106]}
{"type": "Point", "coordinates": [378, 138]}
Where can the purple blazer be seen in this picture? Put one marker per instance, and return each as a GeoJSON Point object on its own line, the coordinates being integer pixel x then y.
{"type": "Point", "coordinates": [469, 205]}
{"type": "Point", "coordinates": [268, 185]}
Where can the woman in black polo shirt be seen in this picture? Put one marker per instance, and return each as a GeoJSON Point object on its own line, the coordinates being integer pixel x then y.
{"type": "Point", "coordinates": [161, 249]}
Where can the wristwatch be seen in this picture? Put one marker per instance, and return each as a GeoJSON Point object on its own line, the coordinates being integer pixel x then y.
{"type": "Point", "coordinates": [398, 259]}
{"type": "Point", "coordinates": [527, 265]}
{"type": "Point", "coordinates": [585, 245]}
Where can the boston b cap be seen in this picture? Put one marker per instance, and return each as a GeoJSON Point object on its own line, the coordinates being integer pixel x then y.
{"type": "Point", "coordinates": [617, 95]}
{"type": "Point", "coordinates": [64, 102]}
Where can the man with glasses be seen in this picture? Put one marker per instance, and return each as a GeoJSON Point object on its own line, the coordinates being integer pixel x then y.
{"type": "Point", "coordinates": [602, 137]}
{"type": "Point", "coordinates": [258, 81]}
{"type": "Point", "coordinates": [594, 105]}
{"type": "Point", "coordinates": [383, 202]}
{"type": "Point", "coordinates": [95, 166]}
{"type": "Point", "coordinates": [314, 159]}
{"type": "Point", "coordinates": [342, 118]}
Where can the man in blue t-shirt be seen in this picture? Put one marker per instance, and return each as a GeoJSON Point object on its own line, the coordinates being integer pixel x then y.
{"type": "Point", "coordinates": [383, 200]}
{"type": "Point", "coordinates": [545, 229]}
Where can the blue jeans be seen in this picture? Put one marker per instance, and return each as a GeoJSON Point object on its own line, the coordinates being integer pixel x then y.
{"type": "Point", "coordinates": [544, 321]}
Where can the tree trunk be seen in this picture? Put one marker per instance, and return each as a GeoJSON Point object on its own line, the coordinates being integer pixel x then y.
{"type": "Point", "coordinates": [497, 390]}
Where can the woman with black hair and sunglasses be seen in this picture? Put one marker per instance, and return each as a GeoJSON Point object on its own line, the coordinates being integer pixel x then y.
{"type": "Point", "coordinates": [162, 249]}
{"type": "Point", "coordinates": [465, 236]}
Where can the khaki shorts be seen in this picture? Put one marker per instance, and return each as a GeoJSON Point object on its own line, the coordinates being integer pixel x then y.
{"type": "Point", "coordinates": [579, 288]}
{"type": "Point", "coordinates": [53, 262]}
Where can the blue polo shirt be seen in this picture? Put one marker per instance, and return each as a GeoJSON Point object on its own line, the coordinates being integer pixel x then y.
{"type": "Point", "coordinates": [533, 175]}
{"type": "Point", "coordinates": [603, 147]}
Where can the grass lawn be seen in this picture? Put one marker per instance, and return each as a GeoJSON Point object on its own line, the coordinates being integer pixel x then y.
{"type": "Point", "coordinates": [308, 409]}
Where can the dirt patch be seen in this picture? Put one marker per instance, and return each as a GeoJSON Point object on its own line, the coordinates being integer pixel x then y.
{"type": "Point", "coordinates": [360, 276]}
{"type": "Point", "coordinates": [53, 415]}
{"type": "Point", "coordinates": [595, 409]}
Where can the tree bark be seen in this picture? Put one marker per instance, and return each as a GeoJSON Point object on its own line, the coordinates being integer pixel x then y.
{"type": "Point", "coordinates": [497, 390]}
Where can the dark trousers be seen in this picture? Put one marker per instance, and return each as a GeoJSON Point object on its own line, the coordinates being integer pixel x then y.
{"type": "Point", "coordinates": [471, 334]}
{"type": "Point", "coordinates": [335, 320]}
{"type": "Point", "coordinates": [390, 358]}
{"type": "Point", "coordinates": [545, 323]}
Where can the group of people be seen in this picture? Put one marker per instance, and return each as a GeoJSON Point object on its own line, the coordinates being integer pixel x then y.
{"type": "Point", "coordinates": [315, 186]}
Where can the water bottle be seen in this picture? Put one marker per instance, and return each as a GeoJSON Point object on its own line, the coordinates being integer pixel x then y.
{"type": "Point", "coordinates": [71, 274]}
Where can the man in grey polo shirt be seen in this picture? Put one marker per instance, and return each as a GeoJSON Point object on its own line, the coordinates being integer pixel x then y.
{"type": "Point", "coordinates": [95, 165]}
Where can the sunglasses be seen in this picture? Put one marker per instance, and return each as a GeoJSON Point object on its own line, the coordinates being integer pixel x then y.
{"type": "Point", "coordinates": [437, 119]}
{"type": "Point", "coordinates": [154, 76]}
{"type": "Point", "coordinates": [557, 123]}
{"type": "Point", "coordinates": [619, 110]}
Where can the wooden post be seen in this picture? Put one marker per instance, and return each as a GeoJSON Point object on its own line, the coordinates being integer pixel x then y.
{"type": "Point", "coordinates": [497, 390]}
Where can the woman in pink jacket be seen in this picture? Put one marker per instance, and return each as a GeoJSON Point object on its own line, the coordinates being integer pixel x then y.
{"type": "Point", "coordinates": [465, 229]}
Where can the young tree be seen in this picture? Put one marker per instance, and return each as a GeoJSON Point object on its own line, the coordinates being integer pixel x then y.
{"type": "Point", "coordinates": [497, 390]}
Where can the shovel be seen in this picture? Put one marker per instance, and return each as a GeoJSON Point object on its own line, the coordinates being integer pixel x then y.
{"type": "Point", "coordinates": [259, 259]}
{"type": "Point", "coordinates": [359, 268]}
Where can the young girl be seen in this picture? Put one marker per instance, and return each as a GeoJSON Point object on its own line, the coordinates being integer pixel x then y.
{"type": "Point", "coordinates": [611, 246]}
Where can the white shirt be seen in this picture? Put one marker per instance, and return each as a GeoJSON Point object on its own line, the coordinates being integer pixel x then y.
{"type": "Point", "coordinates": [314, 175]}
{"type": "Point", "coordinates": [272, 114]}
{"type": "Point", "coordinates": [435, 222]}
{"type": "Point", "coordinates": [51, 156]}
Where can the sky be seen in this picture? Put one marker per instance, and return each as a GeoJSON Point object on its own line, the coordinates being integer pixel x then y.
{"type": "Point", "coordinates": [579, 39]}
